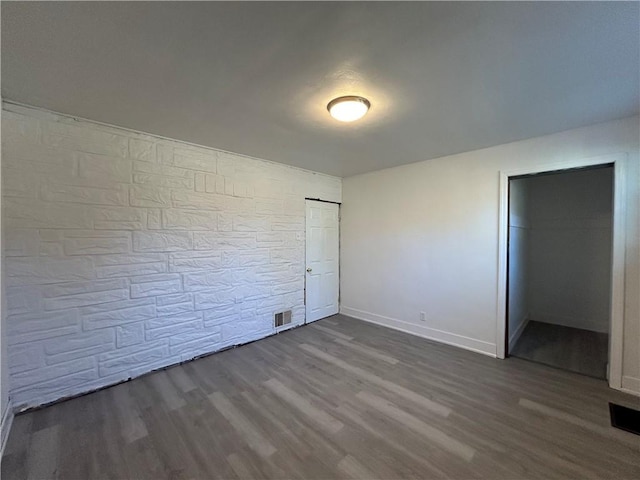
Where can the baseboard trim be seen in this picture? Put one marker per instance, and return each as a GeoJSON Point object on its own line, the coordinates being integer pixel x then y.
{"type": "Point", "coordinates": [5, 426]}
{"type": "Point", "coordinates": [631, 385]}
{"type": "Point", "coordinates": [516, 335]}
{"type": "Point", "coordinates": [455, 340]}
{"type": "Point", "coordinates": [565, 321]}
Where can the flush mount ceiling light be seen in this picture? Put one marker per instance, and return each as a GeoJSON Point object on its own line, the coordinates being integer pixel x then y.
{"type": "Point", "coordinates": [348, 109]}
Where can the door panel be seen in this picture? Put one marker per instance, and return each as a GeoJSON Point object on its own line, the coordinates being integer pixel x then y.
{"type": "Point", "coordinates": [322, 254]}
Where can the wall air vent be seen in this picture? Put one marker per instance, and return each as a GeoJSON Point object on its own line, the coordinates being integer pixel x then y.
{"type": "Point", "coordinates": [282, 318]}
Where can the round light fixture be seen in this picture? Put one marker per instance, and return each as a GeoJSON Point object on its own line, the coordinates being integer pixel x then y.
{"type": "Point", "coordinates": [348, 109]}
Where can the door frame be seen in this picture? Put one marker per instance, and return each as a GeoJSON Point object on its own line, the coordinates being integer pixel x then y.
{"type": "Point", "coordinates": [616, 308]}
{"type": "Point", "coordinates": [305, 252]}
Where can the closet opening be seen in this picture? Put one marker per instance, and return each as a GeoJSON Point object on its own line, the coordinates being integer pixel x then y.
{"type": "Point", "coordinates": [559, 268]}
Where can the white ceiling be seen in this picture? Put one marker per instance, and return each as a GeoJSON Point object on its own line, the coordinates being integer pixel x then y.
{"type": "Point", "coordinates": [255, 78]}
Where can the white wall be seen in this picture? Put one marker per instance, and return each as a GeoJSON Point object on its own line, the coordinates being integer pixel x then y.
{"type": "Point", "coordinates": [570, 248]}
{"type": "Point", "coordinates": [126, 252]}
{"type": "Point", "coordinates": [424, 237]}
{"type": "Point", "coordinates": [518, 310]}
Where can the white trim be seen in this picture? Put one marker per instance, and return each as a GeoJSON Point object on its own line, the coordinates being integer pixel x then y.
{"type": "Point", "coordinates": [616, 332]}
{"type": "Point", "coordinates": [631, 385]}
{"type": "Point", "coordinates": [503, 237]}
{"type": "Point", "coordinates": [5, 426]}
{"type": "Point", "coordinates": [581, 322]}
{"type": "Point", "coordinates": [440, 336]}
{"type": "Point", "coordinates": [619, 161]}
{"type": "Point", "coordinates": [515, 336]}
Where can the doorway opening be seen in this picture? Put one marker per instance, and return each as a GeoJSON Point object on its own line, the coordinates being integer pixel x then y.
{"type": "Point", "coordinates": [619, 238]}
{"type": "Point", "coordinates": [322, 276]}
{"type": "Point", "coordinates": [559, 268]}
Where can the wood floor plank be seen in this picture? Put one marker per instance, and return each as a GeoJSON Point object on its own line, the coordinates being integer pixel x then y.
{"type": "Point", "coordinates": [176, 460]}
{"type": "Point", "coordinates": [166, 390]}
{"type": "Point", "coordinates": [392, 387]}
{"type": "Point", "coordinates": [42, 457]}
{"type": "Point", "coordinates": [242, 468]}
{"type": "Point", "coordinates": [554, 413]}
{"type": "Point", "coordinates": [440, 438]}
{"type": "Point", "coordinates": [380, 438]}
{"type": "Point", "coordinates": [352, 468]}
{"type": "Point", "coordinates": [243, 425]}
{"type": "Point", "coordinates": [322, 419]}
{"type": "Point", "coordinates": [127, 414]}
{"type": "Point", "coordinates": [206, 448]}
{"type": "Point", "coordinates": [336, 399]}
{"type": "Point", "coordinates": [574, 349]}
{"type": "Point", "coordinates": [331, 332]}
{"type": "Point", "coordinates": [19, 435]}
{"type": "Point", "coordinates": [141, 459]}
{"type": "Point", "coordinates": [181, 379]}
{"type": "Point", "coordinates": [370, 352]}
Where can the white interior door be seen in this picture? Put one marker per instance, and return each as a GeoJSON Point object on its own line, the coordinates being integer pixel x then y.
{"type": "Point", "coordinates": [322, 245]}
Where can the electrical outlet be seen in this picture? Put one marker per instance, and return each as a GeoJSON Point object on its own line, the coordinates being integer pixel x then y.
{"type": "Point", "coordinates": [423, 317]}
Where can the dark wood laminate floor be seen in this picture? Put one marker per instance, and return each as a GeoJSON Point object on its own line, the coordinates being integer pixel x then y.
{"type": "Point", "coordinates": [573, 349]}
{"type": "Point", "coordinates": [337, 399]}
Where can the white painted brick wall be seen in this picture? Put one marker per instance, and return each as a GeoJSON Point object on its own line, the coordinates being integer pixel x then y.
{"type": "Point", "coordinates": [125, 252]}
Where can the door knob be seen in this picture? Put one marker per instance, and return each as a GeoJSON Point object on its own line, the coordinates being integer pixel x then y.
{"type": "Point", "coordinates": [309, 269]}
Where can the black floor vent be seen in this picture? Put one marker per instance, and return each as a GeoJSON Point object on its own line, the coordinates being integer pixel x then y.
{"type": "Point", "coordinates": [625, 418]}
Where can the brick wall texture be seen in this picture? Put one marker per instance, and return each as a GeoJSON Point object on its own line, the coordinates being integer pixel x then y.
{"type": "Point", "coordinates": [124, 252]}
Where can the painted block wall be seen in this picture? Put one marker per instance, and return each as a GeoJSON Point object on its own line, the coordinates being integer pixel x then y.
{"type": "Point", "coordinates": [125, 252]}
{"type": "Point", "coordinates": [518, 259]}
{"type": "Point", "coordinates": [424, 237]}
{"type": "Point", "coordinates": [570, 248]}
